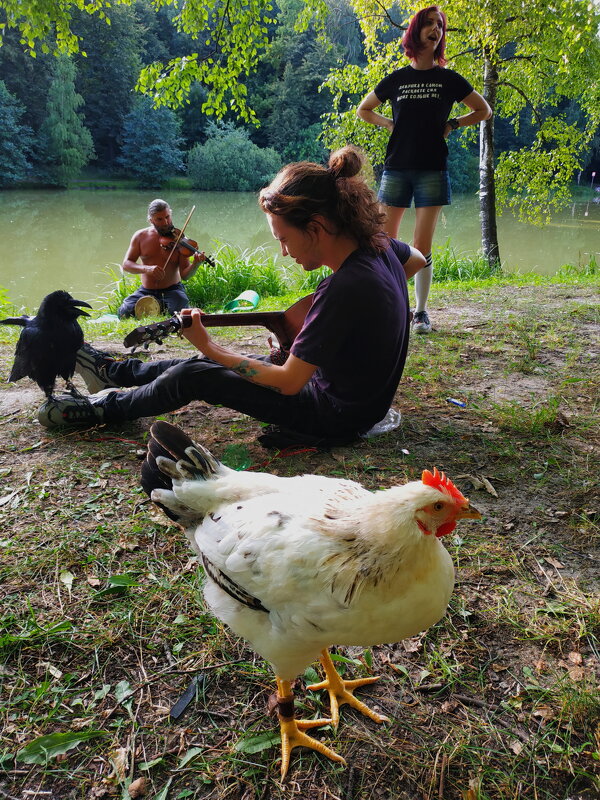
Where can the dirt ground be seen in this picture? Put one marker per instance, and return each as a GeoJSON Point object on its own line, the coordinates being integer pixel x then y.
{"type": "Point", "coordinates": [483, 706]}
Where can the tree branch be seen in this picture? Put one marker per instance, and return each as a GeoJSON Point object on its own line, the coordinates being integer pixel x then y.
{"type": "Point", "coordinates": [524, 96]}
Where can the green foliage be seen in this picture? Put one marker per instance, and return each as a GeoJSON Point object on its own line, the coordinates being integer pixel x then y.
{"type": "Point", "coordinates": [535, 180]}
{"type": "Point", "coordinates": [287, 96]}
{"type": "Point", "coordinates": [232, 37]}
{"type": "Point", "coordinates": [151, 144]}
{"type": "Point", "coordinates": [45, 748]}
{"type": "Point", "coordinates": [538, 57]}
{"type": "Point", "coordinates": [113, 62]}
{"type": "Point", "coordinates": [229, 161]}
{"type": "Point", "coordinates": [463, 165]}
{"type": "Point", "coordinates": [450, 266]}
{"type": "Point", "coordinates": [65, 143]}
{"type": "Point", "coordinates": [212, 287]}
{"type": "Point", "coordinates": [16, 139]}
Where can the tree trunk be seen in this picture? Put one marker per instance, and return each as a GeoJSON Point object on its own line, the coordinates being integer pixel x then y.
{"type": "Point", "coordinates": [487, 185]}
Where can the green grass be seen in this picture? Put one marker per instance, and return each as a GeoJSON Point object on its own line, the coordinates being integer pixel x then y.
{"type": "Point", "coordinates": [103, 622]}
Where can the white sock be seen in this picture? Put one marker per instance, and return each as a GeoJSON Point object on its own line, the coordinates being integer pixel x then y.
{"type": "Point", "coordinates": [423, 280]}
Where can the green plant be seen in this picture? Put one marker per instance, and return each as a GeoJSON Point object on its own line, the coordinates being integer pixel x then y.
{"type": "Point", "coordinates": [452, 266]}
{"type": "Point", "coordinates": [229, 161]}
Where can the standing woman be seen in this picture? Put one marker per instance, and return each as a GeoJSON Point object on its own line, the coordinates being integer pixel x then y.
{"type": "Point", "coordinates": [422, 95]}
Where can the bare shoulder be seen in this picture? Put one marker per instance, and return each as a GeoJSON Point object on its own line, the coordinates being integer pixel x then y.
{"type": "Point", "coordinates": [144, 233]}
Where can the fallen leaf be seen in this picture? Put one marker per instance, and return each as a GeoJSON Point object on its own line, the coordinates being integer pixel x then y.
{"type": "Point", "coordinates": [123, 544]}
{"type": "Point", "coordinates": [119, 758]}
{"type": "Point", "coordinates": [516, 746]}
{"type": "Point", "coordinates": [544, 712]}
{"type": "Point", "coordinates": [488, 486]}
{"type": "Point", "coordinates": [54, 671]}
{"type": "Point", "coordinates": [67, 578]}
{"type": "Point", "coordinates": [138, 788]}
{"type": "Point", "coordinates": [448, 706]}
{"type": "Point", "coordinates": [555, 563]}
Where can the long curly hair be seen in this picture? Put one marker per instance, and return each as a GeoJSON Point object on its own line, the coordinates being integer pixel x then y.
{"type": "Point", "coordinates": [411, 41]}
{"type": "Point", "coordinates": [302, 190]}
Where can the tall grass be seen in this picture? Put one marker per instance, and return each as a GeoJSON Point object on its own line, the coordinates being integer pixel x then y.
{"type": "Point", "coordinates": [452, 266]}
{"type": "Point", "coordinates": [235, 271]}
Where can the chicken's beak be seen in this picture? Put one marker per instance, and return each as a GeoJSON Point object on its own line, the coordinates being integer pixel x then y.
{"type": "Point", "coordinates": [468, 512]}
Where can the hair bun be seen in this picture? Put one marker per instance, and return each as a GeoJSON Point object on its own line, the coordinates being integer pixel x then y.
{"type": "Point", "coordinates": [346, 162]}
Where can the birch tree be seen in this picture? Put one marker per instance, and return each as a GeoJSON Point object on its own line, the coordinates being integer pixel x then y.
{"type": "Point", "coordinates": [524, 58]}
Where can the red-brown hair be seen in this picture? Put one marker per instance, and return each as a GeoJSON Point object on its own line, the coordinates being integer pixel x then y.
{"type": "Point", "coordinates": [411, 41]}
{"type": "Point", "coordinates": [303, 190]}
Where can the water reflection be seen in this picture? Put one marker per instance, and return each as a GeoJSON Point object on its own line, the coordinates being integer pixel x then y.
{"type": "Point", "coordinates": [70, 239]}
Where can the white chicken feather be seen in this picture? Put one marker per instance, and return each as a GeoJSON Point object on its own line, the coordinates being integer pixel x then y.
{"type": "Point", "coordinates": [295, 565]}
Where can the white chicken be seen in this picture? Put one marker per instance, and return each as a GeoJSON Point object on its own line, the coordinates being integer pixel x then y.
{"type": "Point", "coordinates": [295, 565]}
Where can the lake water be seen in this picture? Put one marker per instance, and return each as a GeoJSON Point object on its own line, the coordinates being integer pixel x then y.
{"type": "Point", "coordinates": [70, 239]}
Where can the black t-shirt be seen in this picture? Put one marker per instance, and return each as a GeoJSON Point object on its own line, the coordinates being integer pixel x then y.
{"type": "Point", "coordinates": [356, 333]}
{"type": "Point", "coordinates": [421, 102]}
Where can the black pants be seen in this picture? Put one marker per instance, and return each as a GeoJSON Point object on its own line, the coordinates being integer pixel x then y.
{"type": "Point", "coordinates": [169, 384]}
{"type": "Point", "coordinates": [171, 299]}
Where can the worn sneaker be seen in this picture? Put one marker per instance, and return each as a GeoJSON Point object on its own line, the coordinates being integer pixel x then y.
{"type": "Point", "coordinates": [68, 409]}
{"type": "Point", "coordinates": [93, 365]}
{"type": "Point", "coordinates": [421, 322]}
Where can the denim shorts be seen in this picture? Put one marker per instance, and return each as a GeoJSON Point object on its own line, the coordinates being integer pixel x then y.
{"type": "Point", "coordinates": [427, 187]}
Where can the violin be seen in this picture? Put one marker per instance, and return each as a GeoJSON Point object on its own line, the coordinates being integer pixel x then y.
{"type": "Point", "coordinates": [176, 240]}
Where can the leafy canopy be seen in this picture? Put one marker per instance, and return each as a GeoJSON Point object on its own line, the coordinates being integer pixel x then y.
{"type": "Point", "coordinates": [538, 58]}
{"type": "Point", "coordinates": [231, 36]}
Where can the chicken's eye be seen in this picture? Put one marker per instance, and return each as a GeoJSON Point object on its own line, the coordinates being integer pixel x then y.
{"type": "Point", "coordinates": [439, 506]}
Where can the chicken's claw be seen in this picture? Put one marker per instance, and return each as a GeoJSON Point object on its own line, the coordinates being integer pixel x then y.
{"type": "Point", "coordinates": [292, 735]}
{"type": "Point", "coordinates": [342, 692]}
{"type": "Point", "coordinates": [292, 729]}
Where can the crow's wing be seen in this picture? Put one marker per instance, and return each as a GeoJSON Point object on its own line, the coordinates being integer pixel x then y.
{"type": "Point", "coordinates": [35, 358]}
{"type": "Point", "coordinates": [66, 340]}
{"type": "Point", "coordinates": [22, 364]}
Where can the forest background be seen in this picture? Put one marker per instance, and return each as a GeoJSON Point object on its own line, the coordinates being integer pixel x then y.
{"type": "Point", "coordinates": [78, 119]}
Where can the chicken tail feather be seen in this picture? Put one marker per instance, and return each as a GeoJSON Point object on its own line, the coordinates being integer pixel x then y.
{"type": "Point", "coordinates": [173, 456]}
{"type": "Point", "coordinates": [193, 460]}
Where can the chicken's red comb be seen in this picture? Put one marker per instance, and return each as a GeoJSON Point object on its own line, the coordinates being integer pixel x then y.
{"type": "Point", "coordinates": [439, 481]}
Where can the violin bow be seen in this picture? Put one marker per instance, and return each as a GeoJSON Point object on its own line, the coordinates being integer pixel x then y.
{"type": "Point", "coordinates": [178, 239]}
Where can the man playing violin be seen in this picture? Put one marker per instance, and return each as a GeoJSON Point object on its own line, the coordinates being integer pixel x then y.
{"type": "Point", "coordinates": [163, 266]}
{"type": "Point", "coordinates": [346, 361]}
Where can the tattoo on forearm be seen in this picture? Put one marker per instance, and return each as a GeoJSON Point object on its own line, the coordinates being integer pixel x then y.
{"type": "Point", "coordinates": [246, 371]}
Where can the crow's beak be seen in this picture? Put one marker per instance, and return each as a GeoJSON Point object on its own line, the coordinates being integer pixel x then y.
{"type": "Point", "coordinates": [468, 512]}
{"type": "Point", "coordinates": [81, 303]}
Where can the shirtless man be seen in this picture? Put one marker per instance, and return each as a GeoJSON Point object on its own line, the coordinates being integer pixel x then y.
{"type": "Point", "coordinates": [161, 270]}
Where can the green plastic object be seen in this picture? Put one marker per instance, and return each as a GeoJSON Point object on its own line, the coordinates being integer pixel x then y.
{"type": "Point", "coordinates": [247, 299]}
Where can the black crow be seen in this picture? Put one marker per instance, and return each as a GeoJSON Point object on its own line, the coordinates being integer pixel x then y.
{"type": "Point", "coordinates": [49, 342]}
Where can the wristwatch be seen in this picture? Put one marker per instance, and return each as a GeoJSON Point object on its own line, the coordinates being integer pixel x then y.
{"type": "Point", "coordinates": [454, 123]}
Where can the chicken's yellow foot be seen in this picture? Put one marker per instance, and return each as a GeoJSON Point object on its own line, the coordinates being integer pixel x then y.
{"type": "Point", "coordinates": [292, 734]}
{"type": "Point", "coordinates": [341, 691]}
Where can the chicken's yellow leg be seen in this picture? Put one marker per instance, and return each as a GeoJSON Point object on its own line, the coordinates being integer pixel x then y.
{"type": "Point", "coordinates": [341, 691]}
{"type": "Point", "coordinates": [292, 729]}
